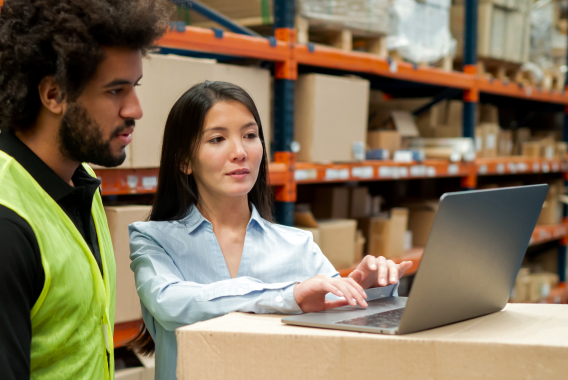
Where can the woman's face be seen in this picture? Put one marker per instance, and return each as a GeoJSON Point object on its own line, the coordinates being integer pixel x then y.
{"type": "Point", "coordinates": [230, 151]}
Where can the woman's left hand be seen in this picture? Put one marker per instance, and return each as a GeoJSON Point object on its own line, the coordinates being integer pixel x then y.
{"type": "Point", "coordinates": [378, 271]}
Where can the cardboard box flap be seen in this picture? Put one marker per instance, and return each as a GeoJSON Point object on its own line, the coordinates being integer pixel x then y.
{"type": "Point", "coordinates": [404, 123]}
{"type": "Point", "coordinates": [305, 219]}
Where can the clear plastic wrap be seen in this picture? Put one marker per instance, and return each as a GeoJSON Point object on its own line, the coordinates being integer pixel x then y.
{"type": "Point", "coordinates": [542, 22]}
{"type": "Point", "coordinates": [365, 16]}
{"type": "Point", "coordinates": [420, 31]}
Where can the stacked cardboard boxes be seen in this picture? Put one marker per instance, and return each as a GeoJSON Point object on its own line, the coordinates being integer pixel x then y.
{"type": "Point", "coordinates": [503, 29]}
{"type": "Point", "coordinates": [166, 78]}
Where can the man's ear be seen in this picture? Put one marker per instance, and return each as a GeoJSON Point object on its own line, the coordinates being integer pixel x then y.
{"type": "Point", "coordinates": [51, 95]}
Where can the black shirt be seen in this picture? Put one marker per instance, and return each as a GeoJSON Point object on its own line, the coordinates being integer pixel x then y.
{"type": "Point", "coordinates": [21, 272]}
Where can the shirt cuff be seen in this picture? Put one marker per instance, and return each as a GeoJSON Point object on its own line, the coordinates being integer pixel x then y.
{"type": "Point", "coordinates": [283, 301]}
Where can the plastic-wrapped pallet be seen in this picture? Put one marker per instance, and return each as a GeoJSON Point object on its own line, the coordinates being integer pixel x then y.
{"type": "Point", "coordinates": [367, 16]}
{"type": "Point", "coordinates": [420, 31]}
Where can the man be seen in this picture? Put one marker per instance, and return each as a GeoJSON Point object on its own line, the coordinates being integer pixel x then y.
{"type": "Point", "coordinates": [68, 69]}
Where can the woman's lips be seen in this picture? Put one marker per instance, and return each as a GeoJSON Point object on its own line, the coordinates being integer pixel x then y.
{"type": "Point", "coordinates": [239, 174]}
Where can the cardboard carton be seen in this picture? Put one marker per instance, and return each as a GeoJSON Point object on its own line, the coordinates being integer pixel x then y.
{"type": "Point", "coordinates": [389, 140]}
{"type": "Point", "coordinates": [521, 342]}
{"type": "Point", "coordinates": [330, 117]}
{"type": "Point", "coordinates": [127, 301]}
{"type": "Point", "coordinates": [331, 202]}
{"type": "Point", "coordinates": [337, 238]}
{"type": "Point", "coordinates": [386, 235]}
{"type": "Point", "coordinates": [505, 146]}
{"type": "Point", "coordinates": [531, 149]}
{"type": "Point", "coordinates": [520, 136]}
{"type": "Point", "coordinates": [337, 241]}
{"type": "Point", "coordinates": [552, 208]}
{"type": "Point", "coordinates": [162, 86]}
{"type": "Point", "coordinates": [359, 202]}
{"type": "Point", "coordinates": [420, 220]}
{"type": "Point", "coordinates": [488, 113]}
{"type": "Point", "coordinates": [561, 148]}
{"type": "Point", "coordinates": [486, 136]}
{"type": "Point", "coordinates": [548, 148]}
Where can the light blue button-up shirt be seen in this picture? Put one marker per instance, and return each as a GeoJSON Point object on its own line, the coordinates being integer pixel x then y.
{"type": "Point", "coordinates": [182, 278]}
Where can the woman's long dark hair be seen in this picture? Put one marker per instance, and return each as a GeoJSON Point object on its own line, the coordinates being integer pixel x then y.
{"type": "Point", "coordinates": [177, 192]}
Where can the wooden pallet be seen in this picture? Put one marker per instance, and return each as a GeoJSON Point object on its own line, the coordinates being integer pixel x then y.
{"type": "Point", "coordinates": [341, 38]}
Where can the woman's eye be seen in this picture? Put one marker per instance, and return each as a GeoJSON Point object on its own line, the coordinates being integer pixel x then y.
{"type": "Point", "coordinates": [216, 140]}
{"type": "Point", "coordinates": [251, 136]}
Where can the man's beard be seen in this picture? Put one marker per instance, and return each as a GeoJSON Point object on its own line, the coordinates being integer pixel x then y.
{"type": "Point", "coordinates": [81, 139]}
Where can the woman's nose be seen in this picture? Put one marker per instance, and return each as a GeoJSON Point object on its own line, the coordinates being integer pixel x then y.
{"type": "Point", "coordinates": [238, 152]}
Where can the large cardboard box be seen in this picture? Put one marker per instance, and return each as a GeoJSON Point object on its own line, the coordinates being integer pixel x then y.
{"type": "Point", "coordinates": [330, 117]}
{"type": "Point", "coordinates": [167, 77]}
{"type": "Point", "coordinates": [386, 235]}
{"type": "Point", "coordinates": [521, 342]}
{"type": "Point", "coordinates": [127, 301]}
{"type": "Point", "coordinates": [552, 208]}
{"type": "Point", "coordinates": [331, 202]}
{"type": "Point", "coordinates": [359, 202]}
{"type": "Point", "coordinates": [420, 220]}
{"type": "Point", "coordinates": [338, 241]}
{"type": "Point", "coordinates": [486, 136]}
{"type": "Point", "coordinates": [389, 140]}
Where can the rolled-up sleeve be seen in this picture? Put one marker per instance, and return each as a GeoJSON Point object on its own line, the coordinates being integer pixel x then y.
{"type": "Point", "coordinates": [174, 302]}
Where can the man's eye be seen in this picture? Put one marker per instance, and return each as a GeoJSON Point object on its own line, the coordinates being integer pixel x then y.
{"type": "Point", "coordinates": [115, 92]}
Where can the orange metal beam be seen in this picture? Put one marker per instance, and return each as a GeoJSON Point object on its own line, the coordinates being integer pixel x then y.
{"type": "Point", "coordinates": [514, 90]}
{"type": "Point", "coordinates": [201, 39]}
{"type": "Point", "coordinates": [287, 191]}
{"type": "Point", "coordinates": [324, 56]}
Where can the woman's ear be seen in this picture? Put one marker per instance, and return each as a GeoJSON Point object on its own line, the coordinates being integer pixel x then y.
{"type": "Point", "coordinates": [186, 169]}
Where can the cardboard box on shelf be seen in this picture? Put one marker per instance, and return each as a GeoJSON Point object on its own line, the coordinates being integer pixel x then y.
{"type": "Point", "coordinates": [331, 202]}
{"type": "Point", "coordinates": [548, 148]}
{"type": "Point", "coordinates": [386, 235]}
{"type": "Point", "coordinates": [505, 147]}
{"type": "Point", "coordinates": [561, 148]}
{"type": "Point", "coordinates": [520, 291]}
{"type": "Point", "coordinates": [420, 219]}
{"type": "Point", "coordinates": [552, 208]}
{"type": "Point", "coordinates": [389, 140]}
{"type": "Point", "coordinates": [531, 149]}
{"type": "Point", "coordinates": [380, 110]}
{"type": "Point", "coordinates": [540, 285]}
{"type": "Point", "coordinates": [488, 113]}
{"type": "Point", "coordinates": [520, 342]}
{"type": "Point", "coordinates": [520, 136]}
{"type": "Point", "coordinates": [337, 238]}
{"type": "Point", "coordinates": [359, 202]}
{"type": "Point", "coordinates": [403, 123]}
{"type": "Point", "coordinates": [359, 247]}
{"type": "Point", "coordinates": [330, 115]}
{"type": "Point", "coordinates": [127, 301]}
{"type": "Point", "coordinates": [486, 135]}
{"type": "Point", "coordinates": [163, 85]}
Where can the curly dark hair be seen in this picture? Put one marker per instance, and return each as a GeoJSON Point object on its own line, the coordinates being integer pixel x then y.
{"type": "Point", "coordinates": [65, 39]}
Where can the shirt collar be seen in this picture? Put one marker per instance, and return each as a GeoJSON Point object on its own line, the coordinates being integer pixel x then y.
{"type": "Point", "coordinates": [49, 181]}
{"type": "Point", "coordinates": [194, 219]}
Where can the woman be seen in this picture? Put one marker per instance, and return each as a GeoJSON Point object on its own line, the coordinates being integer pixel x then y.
{"type": "Point", "coordinates": [210, 248]}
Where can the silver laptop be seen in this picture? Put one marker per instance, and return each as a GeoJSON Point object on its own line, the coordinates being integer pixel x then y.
{"type": "Point", "coordinates": [468, 269]}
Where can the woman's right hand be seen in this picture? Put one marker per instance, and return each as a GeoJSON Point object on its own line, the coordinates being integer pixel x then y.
{"type": "Point", "coordinates": [310, 294]}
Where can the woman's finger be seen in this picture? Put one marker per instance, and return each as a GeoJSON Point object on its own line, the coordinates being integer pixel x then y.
{"type": "Point", "coordinates": [369, 263]}
{"type": "Point", "coordinates": [356, 285]}
{"type": "Point", "coordinates": [356, 294]}
{"type": "Point", "coordinates": [393, 272]}
{"type": "Point", "coordinates": [330, 288]}
{"type": "Point", "coordinates": [346, 292]}
{"type": "Point", "coordinates": [383, 269]}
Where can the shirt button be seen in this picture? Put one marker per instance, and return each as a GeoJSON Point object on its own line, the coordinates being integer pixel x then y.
{"type": "Point", "coordinates": [279, 299]}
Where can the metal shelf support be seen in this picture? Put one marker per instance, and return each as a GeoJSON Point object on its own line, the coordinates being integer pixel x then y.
{"type": "Point", "coordinates": [284, 86]}
{"type": "Point", "coordinates": [471, 97]}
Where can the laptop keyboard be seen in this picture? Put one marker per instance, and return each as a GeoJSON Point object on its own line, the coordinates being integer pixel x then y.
{"type": "Point", "coordinates": [385, 319]}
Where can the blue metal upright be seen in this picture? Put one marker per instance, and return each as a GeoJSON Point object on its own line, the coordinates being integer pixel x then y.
{"type": "Point", "coordinates": [471, 97]}
{"type": "Point", "coordinates": [284, 86]}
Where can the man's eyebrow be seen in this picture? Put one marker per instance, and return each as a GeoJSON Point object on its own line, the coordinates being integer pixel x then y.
{"type": "Point", "coordinates": [121, 82]}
